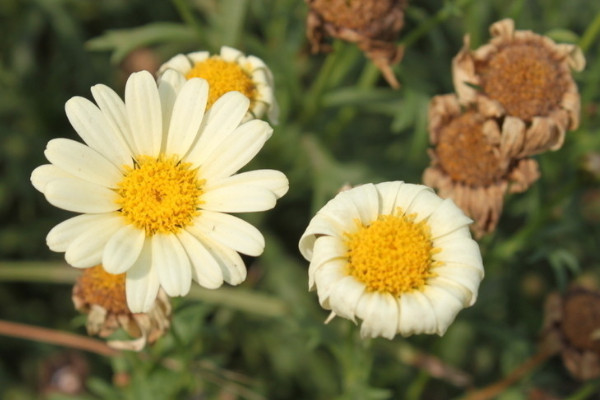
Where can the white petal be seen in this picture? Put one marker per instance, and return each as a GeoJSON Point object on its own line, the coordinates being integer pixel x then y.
{"type": "Point", "coordinates": [205, 269]}
{"type": "Point", "coordinates": [188, 112]}
{"type": "Point", "coordinates": [445, 305]}
{"type": "Point", "coordinates": [238, 199]}
{"type": "Point", "coordinates": [123, 249]}
{"type": "Point", "coordinates": [179, 63]}
{"type": "Point", "coordinates": [366, 199]}
{"type": "Point", "coordinates": [327, 277]}
{"type": "Point", "coordinates": [77, 195]}
{"type": "Point", "coordinates": [236, 150]}
{"type": "Point", "coordinates": [230, 231]}
{"type": "Point", "coordinates": [93, 127]}
{"type": "Point", "coordinates": [407, 194]}
{"type": "Point", "coordinates": [141, 282]}
{"type": "Point", "coordinates": [463, 275]}
{"type": "Point", "coordinates": [198, 56]}
{"type": "Point", "coordinates": [379, 312]}
{"type": "Point", "coordinates": [144, 112]}
{"type": "Point", "coordinates": [344, 297]}
{"type": "Point", "coordinates": [388, 191]}
{"type": "Point", "coordinates": [114, 110]}
{"type": "Point", "coordinates": [172, 264]}
{"type": "Point", "coordinates": [457, 234]}
{"type": "Point", "coordinates": [46, 173]}
{"type": "Point", "coordinates": [62, 235]}
{"type": "Point", "coordinates": [86, 250]}
{"type": "Point", "coordinates": [273, 180]}
{"type": "Point", "coordinates": [416, 314]}
{"type": "Point", "coordinates": [231, 264]}
{"type": "Point", "coordinates": [327, 248]}
{"type": "Point", "coordinates": [231, 54]}
{"type": "Point", "coordinates": [169, 85]}
{"type": "Point", "coordinates": [424, 204]}
{"type": "Point", "coordinates": [462, 251]}
{"type": "Point", "coordinates": [219, 123]}
{"type": "Point", "coordinates": [446, 219]}
{"type": "Point", "coordinates": [83, 162]}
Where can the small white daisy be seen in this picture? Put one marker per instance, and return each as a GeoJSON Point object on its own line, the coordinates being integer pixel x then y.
{"type": "Point", "coordinates": [394, 255]}
{"type": "Point", "coordinates": [153, 183]}
{"type": "Point", "coordinates": [230, 70]}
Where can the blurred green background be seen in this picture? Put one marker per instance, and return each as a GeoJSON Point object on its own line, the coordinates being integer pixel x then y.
{"type": "Point", "coordinates": [340, 124]}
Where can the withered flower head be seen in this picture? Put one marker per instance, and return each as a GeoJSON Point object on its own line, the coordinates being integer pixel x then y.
{"type": "Point", "coordinates": [573, 322]}
{"type": "Point", "coordinates": [472, 163]}
{"type": "Point", "coordinates": [526, 77]}
{"type": "Point", "coordinates": [102, 296]}
{"type": "Point", "coordinates": [372, 24]}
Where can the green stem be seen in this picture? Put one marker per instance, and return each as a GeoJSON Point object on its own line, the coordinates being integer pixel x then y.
{"type": "Point", "coordinates": [187, 16]}
{"type": "Point", "coordinates": [590, 34]}
{"type": "Point", "coordinates": [39, 272]}
{"type": "Point", "coordinates": [586, 391]}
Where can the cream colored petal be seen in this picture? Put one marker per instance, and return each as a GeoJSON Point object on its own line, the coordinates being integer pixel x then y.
{"type": "Point", "coordinates": [141, 282]}
{"type": "Point", "coordinates": [92, 126]}
{"type": "Point", "coordinates": [77, 195]}
{"type": "Point", "coordinates": [205, 268]}
{"type": "Point", "coordinates": [144, 112]}
{"type": "Point", "coordinates": [464, 281]}
{"type": "Point", "coordinates": [236, 150]}
{"type": "Point", "coordinates": [445, 306]}
{"type": "Point", "coordinates": [407, 193]}
{"type": "Point", "coordinates": [123, 249]}
{"type": "Point", "coordinates": [273, 180]}
{"type": "Point", "coordinates": [424, 204]}
{"type": "Point", "coordinates": [344, 297]}
{"type": "Point", "coordinates": [326, 248]}
{"type": "Point", "coordinates": [231, 54]}
{"type": "Point", "coordinates": [380, 315]}
{"type": "Point", "coordinates": [219, 123]}
{"type": "Point", "coordinates": [62, 235]}
{"type": "Point", "coordinates": [461, 251]}
{"type": "Point", "coordinates": [179, 63]}
{"type": "Point", "coordinates": [231, 232]}
{"type": "Point", "coordinates": [46, 173]}
{"type": "Point", "coordinates": [198, 56]}
{"type": "Point", "coordinates": [83, 162]}
{"type": "Point", "coordinates": [169, 86]}
{"type": "Point", "coordinates": [457, 234]}
{"type": "Point", "coordinates": [172, 264]}
{"type": "Point", "coordinates": [326, 223]}
{"type": "Point", "coordinates": [416, 314]}
{"type": "Point", "coordinates": [447, 218]}
{"type": "Point", "coordinates": [388, 191]}
{"type": "Point", "coordinates": [113, 108]}
{"type": "Point", "coordinates": [366, 199]}
{"type": "Point", "coordinates": [232, 266]}
{"type": "Point", "coordinates": [327, 277]}
{"type": "Point", "coordinates": [238, 198]}
{"type": "Point", "coordinates": [86, 249]}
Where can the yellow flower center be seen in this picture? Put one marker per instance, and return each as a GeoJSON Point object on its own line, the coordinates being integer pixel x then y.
{"type": "Point", "coordinates": [160, 195]}
{"type": "Point", "coordinates": [465, 154]}
{"type": "Point", "coordinates": [222, 77]}
{"type": "Point", "coordinates": [525, 79]}
{"type": "Point", "coordinates": [98, 287]}
{"type": "Point", "coordinates": [392, 255]}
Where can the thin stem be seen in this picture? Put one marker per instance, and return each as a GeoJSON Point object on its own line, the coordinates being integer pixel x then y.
{"type": "Point", "coordinates": [589, 36]}
{"type": "Point", "coordinates": [45, 335]}
{"type": "Point", "coordinates": [46, 272]}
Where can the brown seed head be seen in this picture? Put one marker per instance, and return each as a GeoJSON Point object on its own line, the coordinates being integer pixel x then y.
{"type": "Point", "coordinates": [581, 320]}
{"type": "Point", "coordinates": [98, 287]}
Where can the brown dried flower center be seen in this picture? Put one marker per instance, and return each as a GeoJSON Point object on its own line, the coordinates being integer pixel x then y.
{"type": "Point", "coordinates": [581, 321]}
{"type": "Point", "coordinates": [98, 287]}
{"type": "Point", "coordinates": [353, 14]}
{"type": "Point", "coordinates": [465, 154]}
{"type": "Point", "coordinates": [525, 79]}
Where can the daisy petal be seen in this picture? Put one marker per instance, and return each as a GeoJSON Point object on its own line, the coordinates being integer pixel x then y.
{"type": "Point", "coordinates": [73, 194]}
{"type": "Point", "coordinates": [445, 306]}
{"type": "Point", "coordinates": [379, 312]}
{"type": "Point", "coordinates": [86, 250]}
{"type": "Point", "coordinates": [465, 251]}
{"type": "Point", "coordinates": [62, 235]}
{"type": "Point", "coordinates": [46, 173]}
{"type": "Point", "coordinates": [144, 112]}
{"type": "Point", "coordinates": [424, 204]}
{"type": "Point", "coordinates": [197, 56]}
{"type": "Point", "coordinates": [326, 278]}
{"type": "Point", "coordinates": [273, 180]}
{"type": "Point", "coordinates": [232, 266]}
{"type": "Point", "coordinates": [326, 248]}
{"type": "Point", "coordinates": [327, 223]}
{"type": "Point", "coordinates": [344, 297]}
{"type": "Point", "coordinates": [114, 110]}
{"type": "Point", "coordinates": [407, 194]}
{"type": "Point", "coordinates": [446, 219]}
{"type": "Point", "coordinates": [238, 199]}
{"type": "Point", "coordinates": [416, 314]}
{"type": "Point", "coordinates": [463, 275]}
{"type": "Point", "coordinates": [388, 191]}
{"type": "Point", "coordinates": [141, 282]}
{"type": "Point", "coordinates": [188, 112]}
{"type": "Point", "coordinates": [169, 85]}
{"type": "Point", "coordinates": [205, 269]}
{"type": "Point", "coordinates": [123, 249]}
{"type": "Point", "coordinates": [179, 63]}
{"type": "Point", "coordinates": [366, 200]}
{"type": "Point", "coordinates": [172, 264]}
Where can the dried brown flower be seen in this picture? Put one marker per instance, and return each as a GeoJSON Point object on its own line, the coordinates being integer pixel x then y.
{"type": "Point", "coordinates": [470, 162]}
{"type": "Point", "coordinates": [372, 24]}
{"type": "Point", "coordinates": [102, 296]}
{"type": "Point", "coordinates": [572, 323]}
{"type": "Point", "coordinates": [525, 78]}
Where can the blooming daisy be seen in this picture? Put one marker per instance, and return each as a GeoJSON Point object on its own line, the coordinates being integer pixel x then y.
{"type": "Point", "coordinates": [153, 184]}
{"type": "Point", "coordinates": [228, 71]}
{"type": "Point", "coordinates": [525, 77]}
{"type": "Point", "coordinates": [473, 161]}
{"type": "Point", "coordinates": [394, 255]}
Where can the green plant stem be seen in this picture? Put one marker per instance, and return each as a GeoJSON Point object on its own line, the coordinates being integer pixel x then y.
{"type": "Point", "coordinates": [586, 391]}
{"type": "Point", "coordinates": [40, 272]}
{"type": "Point", "coordinates": [590, 34]}
{"type": "Point", "coordinates": [186, 14]}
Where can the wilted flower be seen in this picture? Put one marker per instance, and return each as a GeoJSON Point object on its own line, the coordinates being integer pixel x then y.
{"type": "Point", "coordinates": [394, 255]}
{"type": "Point", "coordinates": [527, 79]}
{"type": "Point", "coordinates": [102, 296]}
{"type": "Point", "coordinates": [472, 161]}
{"type": "Point", "coordinates": [372, 24]}
{"type": "Point", "coordinates": [230, 70]}
{"type": "Point", "coordinates": [572, 321]}
{"type": "Point", "coordinates": [154, 184]}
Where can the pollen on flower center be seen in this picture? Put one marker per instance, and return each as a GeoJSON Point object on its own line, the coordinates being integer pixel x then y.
{"type": "Point", "coordinates": [98, 287]}
{"type": "Point", "coordinates": [392, 255]}
{"type": "Point", "coordinates": [160, 195]}
{"type": "Point", "coordinates": [524, 79]}
{"type": "Point", "coordinates": [222, 77]}
{"type": "Point", "coordinates": [464, 152]}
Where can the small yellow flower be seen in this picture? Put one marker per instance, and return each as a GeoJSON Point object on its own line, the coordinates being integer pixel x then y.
{"type": "Point", "coordinates": [394, 255]}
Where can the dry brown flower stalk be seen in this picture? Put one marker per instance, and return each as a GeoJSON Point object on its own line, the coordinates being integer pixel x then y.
{"type": "Point", "coordinates": [372, 24]}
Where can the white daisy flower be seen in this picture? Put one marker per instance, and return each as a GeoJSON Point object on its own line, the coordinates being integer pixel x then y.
{"type": "Point", "coordinates": [230, 70]}
{"type": "Point", "coordinates": [153, 183]}
{"type": "Point", "coordinates": [394, 255]}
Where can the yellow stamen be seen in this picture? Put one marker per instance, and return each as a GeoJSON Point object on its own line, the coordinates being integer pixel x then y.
{"type": "Point", "coordinates": [392, 255]}
{"type": "Point", "coordinates": [222, 77]}
{"type": "Point", "coordinates": [160, 195]}
{"type": "Point", "coordinates": [98, 287]}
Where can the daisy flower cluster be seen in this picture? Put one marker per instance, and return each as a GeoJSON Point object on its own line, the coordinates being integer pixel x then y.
{"type": "Point", "coordinates": [515, 97]}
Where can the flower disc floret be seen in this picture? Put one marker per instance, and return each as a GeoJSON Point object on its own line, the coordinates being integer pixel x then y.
{"type": "Point", "coordinates": [106, 290]}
